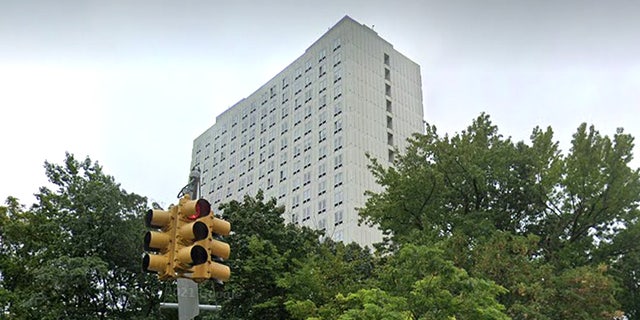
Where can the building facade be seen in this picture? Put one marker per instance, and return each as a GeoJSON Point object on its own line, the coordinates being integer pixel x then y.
{"type": "Point", "coordinates": [303, 136]}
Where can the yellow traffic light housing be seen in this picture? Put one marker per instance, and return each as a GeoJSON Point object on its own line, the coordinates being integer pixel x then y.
{"type": "Point", "coordinates": [186, 242]}
{"type": "Point", "coordinates": [198, 251]}
{"type": "Point", "coordinates": [160, 242]}
{"type": "Point", "coordinates": [218, 251]}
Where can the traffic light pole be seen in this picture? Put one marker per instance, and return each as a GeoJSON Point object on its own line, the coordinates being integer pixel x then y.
{"type": "Point", "coordinates": [188, 297]}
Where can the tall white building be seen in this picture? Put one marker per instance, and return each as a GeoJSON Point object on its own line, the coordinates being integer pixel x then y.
{"type": "Point", "coordinates": [302, 137]}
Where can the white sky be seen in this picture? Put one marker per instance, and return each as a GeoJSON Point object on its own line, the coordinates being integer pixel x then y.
{"type": "Point", "coordinates": [132, 83]}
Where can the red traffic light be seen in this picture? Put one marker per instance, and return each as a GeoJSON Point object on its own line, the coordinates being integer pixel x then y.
{"type": "Point", "coordinates": [202, 208]}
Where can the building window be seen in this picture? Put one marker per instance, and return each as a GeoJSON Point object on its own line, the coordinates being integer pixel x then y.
{"type": "Point", "coordinates": [322, 206]}
{"type": "Point", "coordinates": [386, 59]}
{"type": "Point", "coordinates": [337, 143]}
{"type": "Point", "coordinates": [322, 70]}
{"type": "Point", "coordinates": [272, 151]}
{"type": "Point", "coordinates": [337, 161]}
{"type": "Point", "coordinates": [337, 92]}
{"type": "Point", "coordinates": [338, 199]}
{"type": "Point", "coordinates": [323, 86]}
{"type": "Point", "coordinates": [307, 112]}
{"type": "Point", "coordinates": [307, 127]}
{"type": "Point", "coordinates": [322, 187]}
{"type": "Point", "coordinates": [298, 73]}
{"type": "Point", "coordinates": [337, 126]}
{"type": "Point", "coordinates": [337, 109]}
{"type": "Point", "coordinates": [337, 75]}
{"type": "Point", "coordinates": [308, 65]}
{"type": "Point", "coordinates": [337, 59]}
{"type": "Point", "coordinates": [307, 144]}
{"type": "Point", "coordinates": [322, 102]}
{"type": "Point", "coordinates": [391, 155]}
{"type": "Point", "coordinates": [322, 119]}
{"type": "Point", "coordinates": [337, 180]}
{"type": "Point", "coordinates": [308, 96]}
{"type": "Point", "coordinates": [294, 218]}
{"type": "Point", "coordinates": [322, 135]}
{"type": "Point", "coordinates": [296, 151]}
{"type": "Point", "coordinates": [296, 184]}
{"type": "Point", "coordinates": [306, 195]}
{"type": "Point", "coordinates": [306, 178]}
{"type": "Point", "coordinates": [322, 224]}
{"type": "Point", "coordinates": [389, 122]}
{"type": "Point", "coordinates": [322, 152]}
{"type": "Point", "coordinates": [389, 106]}
{"type": "Point", "coordinates": [306, 214]}
{"type": "Point", "coordinates": [389, 138]}
{"type": "Point", "coordinates": [338, 217]}
{"type": "Point", "coordinates": [296, 167]}
{"type": "Point", "coordinates": [295, 202]}
{"type": "Point", "coordinates": [337, 43]}
{"type": "Point", "coordinates": [307, 161]}
{"type": "Point", "coordinates": [322, 55]}
{"type": "Point", "coordinates": [387, 90]}
{"type": "Point", "coordinates": [322, 170]}
{"type": "Point", "coordinates": [387, 74]}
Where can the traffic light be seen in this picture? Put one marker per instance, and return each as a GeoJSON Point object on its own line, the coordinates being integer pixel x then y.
{"type": "Point", "coordinates": [160, 242]}
{"type": "Point", "coordinates": [218, 251]}
{"type": "Point", "coordinates": [198, 250]}
{"type": "Point", "coordinates": [186, 242]}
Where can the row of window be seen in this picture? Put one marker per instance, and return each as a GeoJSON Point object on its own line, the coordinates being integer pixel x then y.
{"type": "Point", "coordinates": [247, 116]}
{"type": "Point", "coordinates": [300, 175]}
{"type": "Point", "coordinates": [321, 222]}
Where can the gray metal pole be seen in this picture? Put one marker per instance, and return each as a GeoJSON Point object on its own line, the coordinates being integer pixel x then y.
{"type": "Point", "coordinates": [173, 305]}
{"type": "Point", "coordinates": [188, 296]}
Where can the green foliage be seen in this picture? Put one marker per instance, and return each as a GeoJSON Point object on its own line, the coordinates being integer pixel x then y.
{"type": "Point", "coordinates": [74, 254]}
{"type": "Point", "coordinates": [436, 289]}
{"type": "Point", "coordinates": [372, 304]}
{"type": "Point", "coordinates": [263, 249]}
{"type": "Point", "coordinates": [522, 215]}
{"type": "Point", "coordinates": [478, 226]}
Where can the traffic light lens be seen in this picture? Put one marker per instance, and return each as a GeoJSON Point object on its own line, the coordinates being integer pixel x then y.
{"type": "Point", "coordinates": [145, 263]}
{"type": "Point", "coordinates": [203, 207]}
{"type": "Point", "coordinates": [147, 219]}
{"type": "Point", "coordinates": [199, 255]}
{"type": "Point", "coordinates": [200, 231]}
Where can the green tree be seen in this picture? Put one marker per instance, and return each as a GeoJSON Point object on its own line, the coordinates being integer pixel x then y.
{"type": "Point", "coordinates": [263, 249]}
{"type": "Point", "coordinates": [548, 214]}
{"type": "Point", "coordinates": [332, 269]}
{"type": "Point", "coordinates": [74, 254]}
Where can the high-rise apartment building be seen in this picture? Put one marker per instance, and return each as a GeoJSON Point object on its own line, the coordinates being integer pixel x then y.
{"type": "Point", "coordinates": [302, 137]}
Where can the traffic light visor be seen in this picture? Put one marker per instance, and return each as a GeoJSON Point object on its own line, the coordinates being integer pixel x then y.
{"type": "Point", "coordinates": [157, 218]}
{"type": "Point", "coordinates": [193, 255]}
{"type": "Point", "coordinates": [154, 263]}
{"type": "Point", "coordinates": [156, 241]}
{"type": "Point", "coordinates": [196, 209]}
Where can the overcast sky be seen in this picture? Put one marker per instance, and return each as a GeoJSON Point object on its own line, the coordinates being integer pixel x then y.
{"type": "Point", "coordinates": [132, 83]}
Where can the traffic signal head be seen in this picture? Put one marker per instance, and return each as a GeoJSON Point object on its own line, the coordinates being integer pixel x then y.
{"type": "Point", "coordinates": [190, 230]}
{"type": "Point", "coordinates": [186, 242]}
{"type": "Point", "coordinates": [199, 250]}
{"type": "Point", "coordinates": [160, 242]}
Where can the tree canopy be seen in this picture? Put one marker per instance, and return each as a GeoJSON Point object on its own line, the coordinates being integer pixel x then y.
{"type": "Point", "coordinates": [548, 227]}
{"type": "Point", "coordinates": [477, 227]}
{"type": "Point", "coordinates": [74, 253]}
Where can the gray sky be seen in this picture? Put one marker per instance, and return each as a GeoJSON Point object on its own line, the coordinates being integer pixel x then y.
{"type": "Point", "coordinates": [132, 83]}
